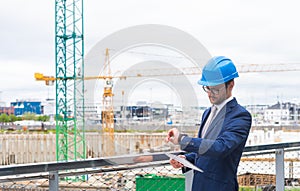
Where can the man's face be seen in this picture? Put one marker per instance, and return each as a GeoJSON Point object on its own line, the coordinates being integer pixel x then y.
{"type": "Point", "coordinates": [217, 94]}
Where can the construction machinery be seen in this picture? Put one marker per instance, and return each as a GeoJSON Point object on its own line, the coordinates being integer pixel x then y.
{"type": "Point", "coordinates": [69, 68]}
{"type": "Point", "coordinates": [107, 114]}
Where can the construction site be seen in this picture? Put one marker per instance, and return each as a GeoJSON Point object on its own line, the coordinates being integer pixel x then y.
{"type": "Point", "coordinates": [111, 118]}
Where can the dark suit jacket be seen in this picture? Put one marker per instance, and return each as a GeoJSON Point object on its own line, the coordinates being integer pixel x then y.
{"type": "Point", "coordinates": [218, 153]}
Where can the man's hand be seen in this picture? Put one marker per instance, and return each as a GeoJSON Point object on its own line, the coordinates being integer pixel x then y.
{"type": "Point", "coordinates": [175, 163]}
{"type": "Point", "coordinates": [172, 136]}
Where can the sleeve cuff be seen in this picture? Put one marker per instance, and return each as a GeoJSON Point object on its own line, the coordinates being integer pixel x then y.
{"type": "Point", "coordinates": [181, 136]}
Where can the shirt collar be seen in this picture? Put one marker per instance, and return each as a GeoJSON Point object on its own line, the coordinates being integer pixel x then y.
{"type": "Point", "coordinates": [221, 105]}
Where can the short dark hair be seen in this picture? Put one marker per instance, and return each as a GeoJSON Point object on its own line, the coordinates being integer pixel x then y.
{"type": "Point", "coordinates": [228, 82]}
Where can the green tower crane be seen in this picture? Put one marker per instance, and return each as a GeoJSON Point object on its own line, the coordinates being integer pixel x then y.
{"type": "Point", "coordinates": [69, 63]}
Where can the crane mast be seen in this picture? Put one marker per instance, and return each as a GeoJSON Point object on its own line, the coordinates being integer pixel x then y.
{"type": "Point", "coordinates": [107, 114]}
{"type": "Point", "coordinates": [69, 52]}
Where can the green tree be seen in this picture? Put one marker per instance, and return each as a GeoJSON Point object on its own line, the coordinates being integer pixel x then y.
{"type": "Point", "coordinates": [43, 118]}
{"type": "Point", "coordinates": [29, 116]}
{"type": "Point", "coordinates": [13, 118]}
{"type": "Point", "coordinates": [4, 118]}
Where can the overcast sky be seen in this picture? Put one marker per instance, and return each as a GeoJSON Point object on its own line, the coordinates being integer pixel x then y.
{"type": "Point", "coordinates": [256, 32]}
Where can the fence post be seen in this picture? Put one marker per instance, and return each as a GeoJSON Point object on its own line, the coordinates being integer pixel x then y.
{"type": "Point", "coordinates": [53, 181]}
{"type": "Point", "coordinates": [189, 180]}
{"type": "Point", "coordinates": [279, 169]}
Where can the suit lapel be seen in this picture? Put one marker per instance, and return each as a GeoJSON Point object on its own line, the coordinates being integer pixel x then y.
{"type": "Point", "coordinates": [217, 124]}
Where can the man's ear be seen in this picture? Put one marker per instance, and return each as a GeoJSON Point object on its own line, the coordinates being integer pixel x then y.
{"type": "Point", "coordinates": [231, 84]}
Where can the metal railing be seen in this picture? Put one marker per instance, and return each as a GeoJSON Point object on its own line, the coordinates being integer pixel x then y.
{"type": "Point", "coordinates": [262, 165]}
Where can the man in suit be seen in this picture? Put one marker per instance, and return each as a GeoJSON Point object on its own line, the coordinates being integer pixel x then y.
{"type": "Point", "coordinates": [223, 131]}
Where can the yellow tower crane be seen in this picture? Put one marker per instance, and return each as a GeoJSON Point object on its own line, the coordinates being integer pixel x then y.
{"type": "Point", "coordinates": [107, 100]}
{"type": "Point", "coordinates": [107, 114]}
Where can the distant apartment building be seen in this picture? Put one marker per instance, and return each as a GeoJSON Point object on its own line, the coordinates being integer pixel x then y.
{"type": "Point", "coordinates": [7, 110]}
{"type": "Point", "coordinates": [281, 114]}
{"type": "Point", "coordinates": [257, 112]}
{"type": "Point", "coordinates": [48, 107]}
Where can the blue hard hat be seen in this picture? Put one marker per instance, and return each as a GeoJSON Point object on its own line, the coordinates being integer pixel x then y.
{"type": "Point", "coordinates": [218, 70]}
